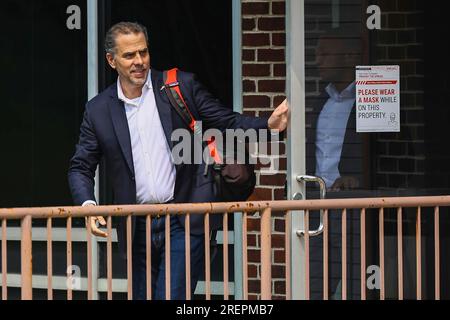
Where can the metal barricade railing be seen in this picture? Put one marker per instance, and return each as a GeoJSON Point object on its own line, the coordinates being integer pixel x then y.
{"type": "Point", "coordinates": [265, 208]}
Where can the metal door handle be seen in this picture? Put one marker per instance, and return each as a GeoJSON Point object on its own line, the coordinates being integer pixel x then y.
{"type": "Point", "coordinates": [323, 192]}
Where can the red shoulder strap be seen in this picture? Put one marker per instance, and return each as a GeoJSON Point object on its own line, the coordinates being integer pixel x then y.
{"type": "Point", "coordinates": [172, 88]}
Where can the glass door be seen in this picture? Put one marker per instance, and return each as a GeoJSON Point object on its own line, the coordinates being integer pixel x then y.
{"type": "Point", "coordinates": [368, 91]}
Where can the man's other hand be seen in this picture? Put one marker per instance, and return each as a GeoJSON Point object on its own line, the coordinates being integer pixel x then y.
{"type": "Point", "coordinates": [345, 183]}
{"type": "Point", "coordinates": [279, 118]}
{"type": "Point", "coordinates": [92, 221]}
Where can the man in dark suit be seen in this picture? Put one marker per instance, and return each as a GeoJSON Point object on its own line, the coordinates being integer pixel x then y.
{"type": "Point", "coordinates": [130, 125]}
{"type": "Point", "coordinates": [332, 141]}
{"type": "Point", "coordinates": [334, 151]}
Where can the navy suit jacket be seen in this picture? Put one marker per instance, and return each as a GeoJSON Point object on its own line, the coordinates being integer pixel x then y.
{"type": "Point", "coordinates": [104, 133]}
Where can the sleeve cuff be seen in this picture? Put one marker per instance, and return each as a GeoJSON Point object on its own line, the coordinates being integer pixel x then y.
{"type": "Point", "coordinates": [89, 202]}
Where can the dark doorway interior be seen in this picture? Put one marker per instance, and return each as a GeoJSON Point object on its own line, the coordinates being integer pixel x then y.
{"type": "Point", "coordinates": [43, 95]}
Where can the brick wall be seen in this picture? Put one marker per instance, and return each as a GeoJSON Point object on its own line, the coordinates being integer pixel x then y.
{"type": "Point", "coordinates": [264, 85]}
{"type": "Point", "coordinates": [401, 156]}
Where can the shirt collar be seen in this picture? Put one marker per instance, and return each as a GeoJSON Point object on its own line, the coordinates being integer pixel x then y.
{"type": "Point", "coordinates": [121, 95]}
{"type": "Point", "coordinates": [347, 93]}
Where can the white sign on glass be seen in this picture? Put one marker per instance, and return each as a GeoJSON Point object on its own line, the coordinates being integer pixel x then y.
{"type": "Point", "coordinates": [377, 98]}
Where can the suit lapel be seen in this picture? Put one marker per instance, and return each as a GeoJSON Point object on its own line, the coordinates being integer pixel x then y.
{"type": "Point", "coordinates": [120, 123]}
{"type": "Point", "coordinates": [163, 105]}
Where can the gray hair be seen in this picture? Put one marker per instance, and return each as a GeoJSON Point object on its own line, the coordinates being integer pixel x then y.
{"type": "Point", "coordinates": [122, 28]}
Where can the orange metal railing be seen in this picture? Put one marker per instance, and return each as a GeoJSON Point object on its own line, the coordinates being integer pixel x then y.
{"type": "Point", "coordinates": [265, 208]}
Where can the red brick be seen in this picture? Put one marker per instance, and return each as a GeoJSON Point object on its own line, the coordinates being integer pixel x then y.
{"type": "Point", "coordinates": [255, 70]}
{"type": "Point", "coordinates": [278, 7]}
{"type": "Point", "coordinates": [253, 101]}
{"type": "Point", "coordinates": [248, 55]}
{"type": "Point", "coordinates": [271, 85]}
{"type": "Point", "coordinates": [262, 194]}
{"type": "Point", "coordinates": [279, 256]}
{"type": "Point", "coordinates": [255, 39]}
{"type": "Point", "coordinates": [282, 163]}
{"type": "Point", "coordinates": [273, 179]}
{"type": "Point", "coordinates": [271, 55]}
{"type": "Point", "coordinates": [251, 240]}
{"type": "Point", "coordinates": [279, 39]}
{"type": "Point", "coordinates": [278, 99]}
{"type": "Point", "coordinates": [254, 286]}
{"type": "Point", "coordinates": [279, 194]}
{"type": "Point", "coordinates": [279, 225]}
{"type": "Point", "coordinates": [280, 287]}
{"type": "Point", "coordinates": [255, 8]}
{"type": "Point", "coordinates": [253, 224]}
{"type": "Point", "coordinates": [278, 241]}
{"type": "Point", "coordinates": [249, 86]}
{"type": "Point", "coordinates": [252, 271]}
{"type": "Point", "coordinates": [254, 255]}
{"type": "Point", "coordinates": [279, 70]}
{"type": "Point", "coordinates": [248, 24]}
{"type": "Point", "coordinates": [278, 272]}
{"type": "Point", "coordinates": [271, 24]}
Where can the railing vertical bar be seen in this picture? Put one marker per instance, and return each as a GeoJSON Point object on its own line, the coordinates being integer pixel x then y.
{"type": "Point", "coordinates": [381, 240]}
{"type": "Point", "coordinates": [419, 254]}
{"type": "Point", "coordinates": [4, 261]}
{"type": "Point", "coordinates": [49, 260]}
{"type": "Point", "coordinates": [287, 254]}
{"type": "Point", "coordinates": [363, 253]}
{"type": "Point", "coordinates": [266, 257]}
{"type": "Point", "coordinates": [26, 259]}
{"type": "Point", "coordinates": [437, 288]}
{"type": "Point", "coordinates": [344, 254]}
{"type": "Point", "coordinates": [225, 256]}
{"type": "Point", "coordinates": [207, 259]}
{"type": "Point", "coordinates": [89, 264]}
{"type": "Point", "coordinates": [109, 258]}
{"type": "Point", "coordinates": [69, 255]}
{"type": "Point", "coordinates": [129, 260]}
{"type": "Point", "coordinates": [168, 257]}
{"type": "Point", "coordinates": [187, 240]}
{"type": "Point", "coordinates": [325, 255]}
{"type": "Point", "coordinates": [400, 252]}
{"type": "Point", "coordinates": [307, 286]}
{"type": "Point", "coordinates": [244, 257]}
{"type": "Point", "coordinates": [148, 257]}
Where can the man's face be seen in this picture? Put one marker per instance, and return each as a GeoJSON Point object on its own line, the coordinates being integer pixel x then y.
{"type": "Point", "coordinates": [131, 59]}
{"type": "Point", "coordinates": [329, 57]}
{"type": "Point", "coordinates": [334, 57]}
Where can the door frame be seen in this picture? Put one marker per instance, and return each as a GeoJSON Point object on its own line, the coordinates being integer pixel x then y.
{"type": "Point", "coordinates": [296, 150]}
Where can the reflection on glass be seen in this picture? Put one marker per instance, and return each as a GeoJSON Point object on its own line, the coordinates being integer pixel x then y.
{"type": "Point", "coordinates": [412, 162]}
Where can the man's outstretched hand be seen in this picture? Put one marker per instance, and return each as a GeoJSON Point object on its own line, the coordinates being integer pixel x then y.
{"type": "Point", "coordinates": [92, 221]}
{"type": "Point", "coordinates": [279, 118]}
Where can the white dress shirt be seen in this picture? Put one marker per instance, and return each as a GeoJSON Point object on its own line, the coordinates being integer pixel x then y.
{"type": "Point", "coordinates": [331, 127]}
{"type": "Point", "coordinates": [152, 159]}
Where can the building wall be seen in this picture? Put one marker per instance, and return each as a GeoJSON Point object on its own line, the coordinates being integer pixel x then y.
{"type": "Point", "coordinates": [264, 86]}
{"type": "Point", "coordinates": [401, 156]}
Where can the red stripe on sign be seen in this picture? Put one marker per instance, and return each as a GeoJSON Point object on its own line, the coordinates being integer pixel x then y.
{"type": "Point", "coordinates": [381, 82]}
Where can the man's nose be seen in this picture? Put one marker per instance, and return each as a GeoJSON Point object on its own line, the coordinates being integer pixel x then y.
{"type": "Point", "coordinates": [138, 59]}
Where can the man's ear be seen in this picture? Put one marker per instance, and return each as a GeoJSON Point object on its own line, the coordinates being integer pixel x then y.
{"type": "Point", "coordinates": [111, 61]}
